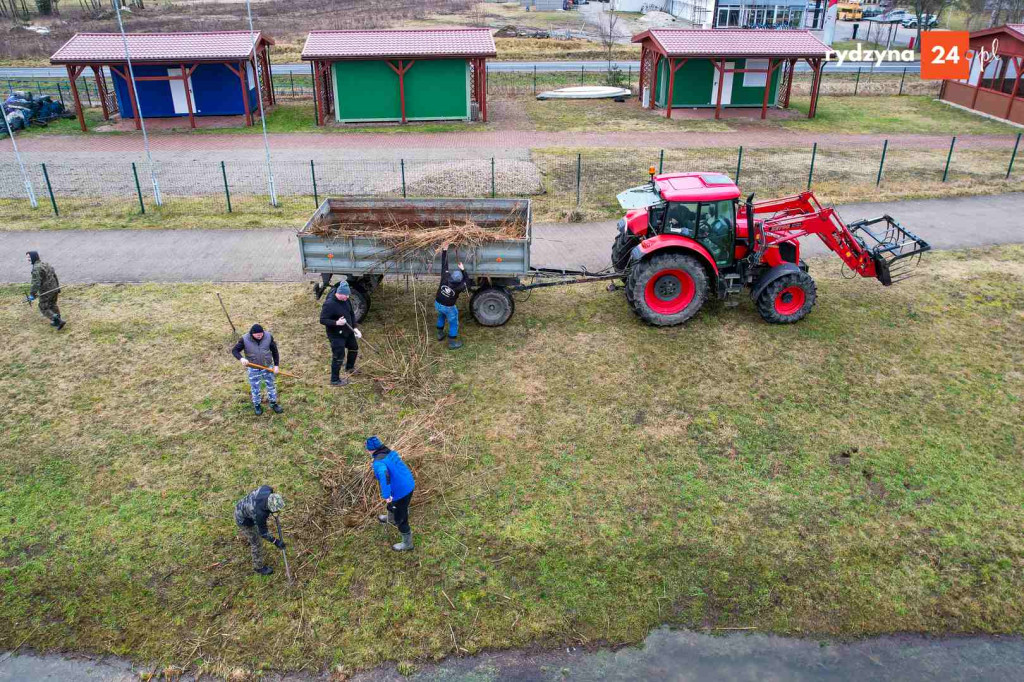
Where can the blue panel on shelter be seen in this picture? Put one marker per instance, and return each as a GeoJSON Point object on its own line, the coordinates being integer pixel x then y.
{"type": "Point", "coordinates": [216, 91]}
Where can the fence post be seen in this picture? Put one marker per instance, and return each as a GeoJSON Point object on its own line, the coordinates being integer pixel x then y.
{"type": "Point", "coordinates": [661, 161]}
{"type": "Point", "coordinates": [903, 78]}
{"type": "Point", "coordinates": [581, 74]}
{"type": "Point", "coordinates": [316, 193]}
{"type": "Point", "coordinates": [739, 165]}
{"type": "Point", "coordinates": [949, 157]}
{"type": "Point", "coordinates": [494, 189]}
{"type": "Point", "coordinates": [629, 78]}
{"type": "Point", "coordinates": [579, 177]}
{"type": "Point", "coordinates": [856, 83]}
{"type": "Point", "coordinates": [1009, 169]}
{"type": "Point", "coordinates": [138, 188]}
{"type": "Point", "coordinates": [534, 79]}
{"type": "Point", "coordinates": [810, 173]}
{"type": "Point", "coordinates": [88, 95]}
{"type": "Point", "coordinates": [60, 93]}
{"type": "Point", "coordinates": [10, 88]}
{"type": "Point", "coordinates": [49, 188]}
{"type": "Point", "coordinates": [881, 164]}
{"type": "Point", "coordinates": [402, 163]}
{"type": "Point", "coordinates": [227, 192]}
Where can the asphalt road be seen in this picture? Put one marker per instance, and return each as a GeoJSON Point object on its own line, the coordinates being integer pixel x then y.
{"type": "Point", "coordinates": [47, 72]}
{"type": "Point", "coordinates": [82, 256]}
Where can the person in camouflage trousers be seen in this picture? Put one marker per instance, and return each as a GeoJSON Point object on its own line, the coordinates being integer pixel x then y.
{"type": "Point", "coordinates": [251, 514]}
{"type": "Point", "coordinates": [260, 348]}
{"type": "Point", "coordinates": [46, 288]}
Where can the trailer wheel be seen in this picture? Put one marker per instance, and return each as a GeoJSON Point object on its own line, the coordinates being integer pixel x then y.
{"type": "Point", "coordinates": [788, 299]}
{"type": "Point", "coordinates": [621, 249]}
{"type": "Point", "coordinates": [492, 306]}
{"type": "Point", "coordinates": [360, 299]}
{"type": "Point", "coordinates": [668, 289]}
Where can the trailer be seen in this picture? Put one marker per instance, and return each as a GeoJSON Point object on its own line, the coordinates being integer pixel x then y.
{"type": "Point", "coordinates": [494, 269]}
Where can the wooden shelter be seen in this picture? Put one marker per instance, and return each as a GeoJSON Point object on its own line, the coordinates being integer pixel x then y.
{"type": "Point", "coordinates": [993, 85]}
{"type": "Point", "coordinates": [697, 67]}
{"type": "Point", "coordinates": [217, 73]}
{"type": "Point", "coordinates": [399, 75]}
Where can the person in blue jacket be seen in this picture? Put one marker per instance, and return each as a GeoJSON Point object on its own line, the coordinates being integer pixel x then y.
{"type": "Point", "coordinates": [396, 486]}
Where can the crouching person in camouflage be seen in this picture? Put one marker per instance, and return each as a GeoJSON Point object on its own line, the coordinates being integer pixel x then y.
{"type": "Point", "coordinates": [251, 514]}
{"type": "Point", "coordinates": [46, 288]}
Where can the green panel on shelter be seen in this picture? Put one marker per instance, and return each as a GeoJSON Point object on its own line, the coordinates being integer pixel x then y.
{"type": "Point", "coordinates": [437, 89]}
{"type": "Point", "coordinates": [366, 91]}
{"type": "Point", "coordinates": [695, 85]}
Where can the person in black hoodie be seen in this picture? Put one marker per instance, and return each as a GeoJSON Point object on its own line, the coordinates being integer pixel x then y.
{"type": "Point", "coordinates": [339, 319]}
{"type": "Point", "coordinates": [452, 284]}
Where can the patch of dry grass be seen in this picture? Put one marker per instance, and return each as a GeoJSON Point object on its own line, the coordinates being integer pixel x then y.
{"type": "Point", "coordinates": [858, 473]}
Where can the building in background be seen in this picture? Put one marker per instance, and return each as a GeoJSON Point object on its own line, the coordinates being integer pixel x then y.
{"type": "Point", "coordinates": [216, 73]}
{"type": "Point", "coordinates": [770, 14]}
{"type": "Point", "coordinates": [993, 86]}
{"type": "Point", "coordinates": [723, 68]}
{"type": "Point", "coordinates": [400, 75]}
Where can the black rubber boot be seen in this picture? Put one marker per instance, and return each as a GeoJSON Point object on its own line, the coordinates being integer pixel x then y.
{"type": "Point", "coordinates": [440, 333]}
{"type": "Point", "coordinates": [276, 408]}
{"type": "Point", "coordinates": [318, 291]}
{"type": "Point", "coordinates": [454, 344]}
{"type": "Point", "coordinates": [258, 409]}
{"type": "Point", "coordinates": [266, 570]}
{"type": "Point", "coordinates": [339, 382]}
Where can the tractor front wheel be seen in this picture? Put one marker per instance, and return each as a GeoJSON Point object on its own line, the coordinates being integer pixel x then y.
{"type": "Point", "coordinates": [621, 249]}
{"type": "Point", "coordinates": [667, 289]}
{"type": "Point", "coordinates": [788, 299]}
{"type": "Point", "coordinates": [360, 299]}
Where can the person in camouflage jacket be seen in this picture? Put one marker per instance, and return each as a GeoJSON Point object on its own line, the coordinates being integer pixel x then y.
{"type": "Point", "coordinates": [46, 288]}
{"type": "Point", "coordinates": [251, 514]}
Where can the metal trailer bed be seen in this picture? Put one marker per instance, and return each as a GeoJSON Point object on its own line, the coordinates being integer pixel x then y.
{"type": "Point", "coordinates": [493, 268]}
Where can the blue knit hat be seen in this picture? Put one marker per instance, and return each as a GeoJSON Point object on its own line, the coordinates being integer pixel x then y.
{"type": "Point", "coordinates": [372, 443]}
{"type": "Point", "coordinates": [343, 288]}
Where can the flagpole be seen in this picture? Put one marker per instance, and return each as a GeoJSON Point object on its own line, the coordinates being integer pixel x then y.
{"type": "Point", "coordinates": [259, 99]}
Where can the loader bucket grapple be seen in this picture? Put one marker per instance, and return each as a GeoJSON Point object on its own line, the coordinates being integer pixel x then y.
{"type": "Point", "coordinates": [894, 249]}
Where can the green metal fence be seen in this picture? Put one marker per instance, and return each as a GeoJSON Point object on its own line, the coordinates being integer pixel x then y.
{"type": "Point", "coordinates": [564, 183]}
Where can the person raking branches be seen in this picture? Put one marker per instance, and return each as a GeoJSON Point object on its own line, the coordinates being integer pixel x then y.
{"type": "Point", "coordinates": [339, 319]}
{"type": "Point", "coordinates": [251, 514]}
{"type": "Point", "coordinates": [260, 348]}
{"type": "Point", "coordinates": [452, 284]}
{"type": "Point", "coordinates": [396, 486]}
{"type": "Point", "coordinates": [46, 288]}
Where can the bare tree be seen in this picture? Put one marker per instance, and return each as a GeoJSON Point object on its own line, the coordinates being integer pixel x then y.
{"type": "Point", "coordinates": [924, 9]}
{"type": "Point", "coordinates": [608, 31]}
{"type": "Point", "coordinates": [974, 10]}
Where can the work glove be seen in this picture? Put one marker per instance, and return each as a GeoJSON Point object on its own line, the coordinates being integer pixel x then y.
{"type": "Point", "coordinates": [278, 543]}
{"type": "Point", "coordinates": [358, 333]}
{"type": "Point", "coordinates": [245, 363]}
{"type": "Point", "coordinates": [274, 369]}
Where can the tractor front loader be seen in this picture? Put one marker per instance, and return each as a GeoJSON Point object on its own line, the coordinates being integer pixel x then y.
{"type": "Point", "coordinates": [687, 236]}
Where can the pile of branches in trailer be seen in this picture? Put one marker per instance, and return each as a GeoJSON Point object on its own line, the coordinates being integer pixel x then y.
{"type": "Point", "coordinates": [406, 237]}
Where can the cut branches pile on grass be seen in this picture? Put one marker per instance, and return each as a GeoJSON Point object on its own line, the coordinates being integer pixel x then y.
{"type": "Point", "coordinates": [406, 238]}
{"type": "Point", "coordinates": [426, 441]}
{"type": "Point", "coordinates": [402, 362]}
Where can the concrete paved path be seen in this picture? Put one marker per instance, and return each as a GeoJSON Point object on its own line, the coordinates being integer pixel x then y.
{"type": "Point", "coordinates": [83, 256]}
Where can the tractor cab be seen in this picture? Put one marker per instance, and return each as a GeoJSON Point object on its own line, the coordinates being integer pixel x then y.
{"type": "Point", "coordinates": [701, 207]}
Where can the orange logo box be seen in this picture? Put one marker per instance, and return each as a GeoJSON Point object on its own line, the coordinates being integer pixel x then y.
{"type": "Point", "coordinates": [944, 55]}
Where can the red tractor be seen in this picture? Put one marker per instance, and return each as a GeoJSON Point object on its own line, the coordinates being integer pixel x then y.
{"type": "Point", "coordinates": [687, 236]}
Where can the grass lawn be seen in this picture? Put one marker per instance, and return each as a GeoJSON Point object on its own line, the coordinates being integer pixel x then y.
{"type": "Point", "coordinates": [859, 473]}
{"type": "Point", "coordinates": [606, 116]}
{"type": "Point", "coordinates": [898, 115]}
{"type": "Point", "coordinates": [554, 49]}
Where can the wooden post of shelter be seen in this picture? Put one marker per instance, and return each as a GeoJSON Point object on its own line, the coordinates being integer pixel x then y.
{"type": "Point", "coordinates": [101, 88]}
{"type": "Point", "coordinates": [73, 73]}
{"type": "Point", "coordinates": [720, 66]}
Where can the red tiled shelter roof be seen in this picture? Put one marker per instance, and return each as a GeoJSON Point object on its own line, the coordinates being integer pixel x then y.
{"type": "Point", "coordinates": [399, 44]}
{"type": "Point", "coordinates": [213, 46]}
{"type": "Point", "coordinates": [676, 42]}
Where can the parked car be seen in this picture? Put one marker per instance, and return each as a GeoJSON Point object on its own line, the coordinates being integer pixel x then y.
{"type": "Point", "coordinates": [871, 12]}
{"type": "Point", "coordinates": [896, 15]}
{"type": "Point", "coordinates": [927, 20]}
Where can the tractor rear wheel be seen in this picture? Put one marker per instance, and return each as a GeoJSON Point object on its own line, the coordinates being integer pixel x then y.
{"type": "Point", "coordinates": [667, 289]}
{"type": "Point", "coordinates": [788, 299]}
{"type": "Point", "coordinates": [621, 249]}
{"type": "Point", "coordinates": [492, 306]}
